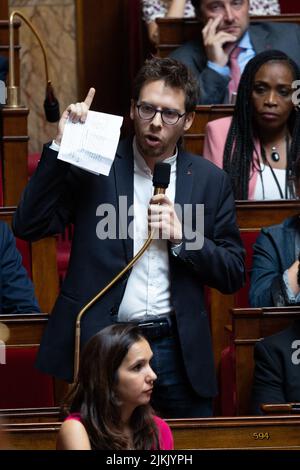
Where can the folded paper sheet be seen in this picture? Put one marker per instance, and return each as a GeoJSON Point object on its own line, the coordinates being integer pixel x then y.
{"type": "Point", "coordinates": [91, 145]}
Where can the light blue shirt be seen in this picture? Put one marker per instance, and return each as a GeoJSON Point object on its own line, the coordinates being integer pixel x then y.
{"type": "Point", "coordinates": [245, 55]}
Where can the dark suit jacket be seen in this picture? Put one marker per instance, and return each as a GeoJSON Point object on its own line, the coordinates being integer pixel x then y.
{"type": "Point", "coordinates": [213, 86]}
{"type": "Point", "coordinates": [16, 289]}
{"type": "Point", "coordinates": [274, 252]}
{"type": "Point", "coordinates": [58, 194]}
{"type": "Point", "coordinates": [277, 368]}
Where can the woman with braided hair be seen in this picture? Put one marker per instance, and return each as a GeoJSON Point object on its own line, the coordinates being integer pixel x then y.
{"type": "Point", "coordinates": [258, 146]}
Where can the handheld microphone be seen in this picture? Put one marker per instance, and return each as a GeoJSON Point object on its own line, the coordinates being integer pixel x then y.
{"type": "Point", "coordinates": [161, 177]}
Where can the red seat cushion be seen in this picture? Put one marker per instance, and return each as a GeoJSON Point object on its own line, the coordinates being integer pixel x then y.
{"type": "Point", "coordinates": [22, 385]}
{"type": "Point", "coordinates": [24, 249]}
{"type": "Point", "coordinates": [32, 163]}
{"type": "Point", "coordinates": [241, 297]}
{"type": "Point", "coordinates": [227, 366]}
{"type": "Point", "coordinates": [227, 382]}
{"type": "Point", "coordinates": [289, 6]}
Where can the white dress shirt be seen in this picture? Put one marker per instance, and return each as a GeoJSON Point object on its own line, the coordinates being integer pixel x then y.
{"type": "Point", "coordinates": [147, 294]}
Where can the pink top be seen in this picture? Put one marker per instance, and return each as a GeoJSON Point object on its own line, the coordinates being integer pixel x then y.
{"type": "Point", "coordinates": [214, 146]}
{"type": "Point", "coordinates": [165, 434]}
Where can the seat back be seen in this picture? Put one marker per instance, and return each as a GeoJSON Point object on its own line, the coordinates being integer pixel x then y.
{"type": "Point", "coordinates": [248, 327]}
{"type": "Point", "coordinates": [173, 32]}
{"type": "Point", "coordinates": [63, 240]}
{"type": "Point", "coordinates": [234, 433]}
{"type": "Point", "coordinates": [193, 139]}
{"type": "Point", "coordinates": [22, 385]}
{"type": "Point", "coordinates": [248, 238]}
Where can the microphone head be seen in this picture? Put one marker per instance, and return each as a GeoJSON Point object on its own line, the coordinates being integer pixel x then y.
{"type": "Point", "coordinates": [161, 175]}
{"type": "Point", "coordinates": [51, 105]}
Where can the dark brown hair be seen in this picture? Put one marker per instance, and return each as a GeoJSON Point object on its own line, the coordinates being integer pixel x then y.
{"type": "Point", "coordinates": [174, 73]}
{"type": "Point", "coordinates": [93, 395]}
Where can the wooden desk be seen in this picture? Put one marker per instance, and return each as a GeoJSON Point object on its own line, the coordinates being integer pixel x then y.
{"type": "Point", "coordinates": [237, 433]}
{"type": "Point", "coordinates": [31, 436]}
{"type": "Point", "coordinates": [30, 415]}
{"type": "Point", "coordinates": [253, 215]}
{"type": "Point", "coordinates": [248, 327]}
{"type": "Point", "coordinates": [173, 32]}
{"type": "Point", "coordinates": [25, 330]}
{"type": "Point", "coordinates": [194, 138]}
{"type": "Point", "coordinates": [245, 433]}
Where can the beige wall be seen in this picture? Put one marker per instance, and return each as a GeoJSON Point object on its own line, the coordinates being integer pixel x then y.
{"type": "Point", "coordinates": [56, 24]}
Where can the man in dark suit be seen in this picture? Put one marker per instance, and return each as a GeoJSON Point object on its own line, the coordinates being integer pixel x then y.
{"type": "Point", "coordinates": [226, 27]}
{"type": "Point", "coordinates": [277, 369]}
{"type": "Point", "coordinates": [16, 289]}
{"type": "Point", "coordinates": [163, 293]}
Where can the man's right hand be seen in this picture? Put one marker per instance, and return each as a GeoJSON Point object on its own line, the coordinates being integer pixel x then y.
{"type": "Point", "coordinates": [77, 112]}
{"type": "Point", "coordinates": [214, 42]}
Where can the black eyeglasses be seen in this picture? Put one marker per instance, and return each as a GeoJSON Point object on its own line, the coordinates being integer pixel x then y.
{"type": "Point", "coordinates": [168, 116]}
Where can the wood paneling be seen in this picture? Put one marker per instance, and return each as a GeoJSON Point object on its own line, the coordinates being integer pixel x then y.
{"type": "Point", "coordinates": [193, 139]}
{"type": "Point", "coordinates": [103, 53]}
{"type": "Point", "coordinates": [14, 153]}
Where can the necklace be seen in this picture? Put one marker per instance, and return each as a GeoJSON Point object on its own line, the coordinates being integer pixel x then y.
{"type": "Point", "coordinates": [275, 155]}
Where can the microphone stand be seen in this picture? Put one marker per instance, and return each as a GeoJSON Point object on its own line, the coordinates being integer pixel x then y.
{"type": "Point", "coordinates": [51, 105]}
{"type": "Point", "coordinates": [158, 190]}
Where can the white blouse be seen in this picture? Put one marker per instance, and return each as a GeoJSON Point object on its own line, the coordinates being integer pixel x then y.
{"type": "Point", "coordinates": [266, 187]}
{"type": "Point", "coordinates": [153, 9]}
{"type": "Point", "coordinates": [264, 7]}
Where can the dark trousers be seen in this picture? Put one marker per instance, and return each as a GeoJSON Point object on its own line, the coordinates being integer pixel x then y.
{"type": "Point", "coordinates": [173, 396]}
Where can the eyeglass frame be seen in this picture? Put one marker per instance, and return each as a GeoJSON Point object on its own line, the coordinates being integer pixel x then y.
{"type": "Point", "coordinates": [156, 110]}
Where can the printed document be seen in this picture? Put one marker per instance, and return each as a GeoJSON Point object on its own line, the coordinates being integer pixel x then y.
{"type": "Point", "coordinates": [91, 145]}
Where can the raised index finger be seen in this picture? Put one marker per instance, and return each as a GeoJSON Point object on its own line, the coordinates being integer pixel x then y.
{"type": "Point", "coordinates": [89, 97]}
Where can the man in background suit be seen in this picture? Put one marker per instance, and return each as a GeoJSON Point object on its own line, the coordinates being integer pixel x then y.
{"type": "Point", "coordinates": [277, 368]}
{"type": "Point", "coordinates": [16, 289]}
{"type": "Point", "coordinates": [226, 26]}
{"type": "Point", "coordinates": [163, 293]}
